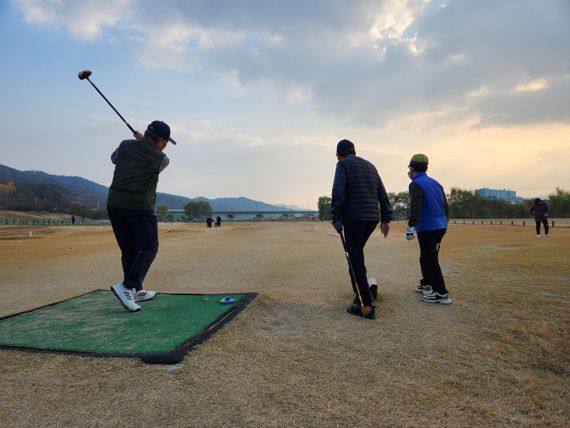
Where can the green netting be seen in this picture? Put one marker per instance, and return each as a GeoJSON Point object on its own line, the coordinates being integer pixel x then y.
{"type": "Point", "coordinates": [96, 323]}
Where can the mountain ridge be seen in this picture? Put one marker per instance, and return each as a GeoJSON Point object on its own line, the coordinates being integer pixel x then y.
{"type": "Point", "coordinates": [41, 185]}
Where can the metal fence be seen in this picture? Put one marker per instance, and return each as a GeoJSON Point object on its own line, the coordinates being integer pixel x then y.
{"type": "Point", "coordinates": [560, 222]}
{"type": "Point", "coordinates": [521, 222]}
{"type": "Point", "coordinates": [51, 222]}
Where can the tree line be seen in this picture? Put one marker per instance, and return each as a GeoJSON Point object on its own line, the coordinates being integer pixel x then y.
{"type": "Point", "coordinates": [50, 197]}
{"type": "Point", "coordinates": [462, 204]}
{"type": "Point", "coordinates": [192, 211]}
{"type": "Point", "coordinates": [47, 198]}
{"type": "Point", "coordinates": [470, 204]}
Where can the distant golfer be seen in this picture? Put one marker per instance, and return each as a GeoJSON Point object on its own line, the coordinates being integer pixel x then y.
{"type": "Point", "coordinates": [359, 202]}
{"type": "Point", "coordinates": [130, 205]}
{"type": "Point", "coordinates": [429, 213]}
{"type": "Point", "coordinates": [540, 212]}
{"type": "Point", "coordinates": [218, 221]}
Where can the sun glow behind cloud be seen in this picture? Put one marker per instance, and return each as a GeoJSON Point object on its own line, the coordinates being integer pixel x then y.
{"type": "Point", "coordinates": [535, 85]}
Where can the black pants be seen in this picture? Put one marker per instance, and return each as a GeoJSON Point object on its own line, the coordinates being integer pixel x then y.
{"type": "Point", "coordinates": [543, 221]}
{"type": "Point", "coordinates": [356, 235]}
{"type": "Point", "coordinates": [429, 259]}
{"type": "Point", "coordinates": [137, 235]}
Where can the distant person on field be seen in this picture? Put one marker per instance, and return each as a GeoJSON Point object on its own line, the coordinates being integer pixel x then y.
{"type": "Point", "coordinates": [429, 214]}
{"type": "Point", "coordinates": [72, 219]}
{"type": "Point", "coordinates": [218, 221]}
{"type": "Point", "coordinates": [540, 212]}
{"type": "Point", "coordinates": [209, 221]}
{"type": "Point", "coordinates": [359, 202]}
{"type": "Point", "coordinates": [131, 204]}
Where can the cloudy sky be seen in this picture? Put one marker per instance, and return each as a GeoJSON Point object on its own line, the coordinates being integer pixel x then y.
{"type": "Point", "coordinates": [259, 92]}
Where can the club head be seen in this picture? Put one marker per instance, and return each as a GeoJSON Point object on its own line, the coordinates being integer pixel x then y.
{"type": "Point", "coordinates": [84, 74]}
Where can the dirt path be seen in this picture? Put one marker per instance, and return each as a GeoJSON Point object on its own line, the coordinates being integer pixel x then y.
{"type": "Point", "coordinates": [497, 356]}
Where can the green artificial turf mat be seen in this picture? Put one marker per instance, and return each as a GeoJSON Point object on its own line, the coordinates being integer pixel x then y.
{"type": "Point", "coordinates": [96, 324]}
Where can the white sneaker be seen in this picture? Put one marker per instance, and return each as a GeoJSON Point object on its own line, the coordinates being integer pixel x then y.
{"type": "Point", "coordinates": [538, 236]}
{"type": "Point", "coordinates": [424, 289]}
{"type": "Point", "coordinates": [126, 297]}
{"type": "Point", "coordinates": [143, 295]}
{"type": "Point", "coordinates": [547, 236]}
{"type": "Point", "coordinates": [435, 297]}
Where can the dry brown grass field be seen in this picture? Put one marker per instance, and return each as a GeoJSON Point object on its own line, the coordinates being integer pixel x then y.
{"type": "Point", "coordinates": [498, 356]}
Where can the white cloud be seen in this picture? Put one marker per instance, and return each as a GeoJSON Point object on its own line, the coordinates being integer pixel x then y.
{"type": "Point", "coordinates": [365, 61]}
{"type": "Point", "coordinates": [299, 95]}
{"type": "Point", "coordinates": [479, 92]}
{"type": "Point", "coordinates": [84, 19]}
{"type": "Point", "coordinates": [535, 85]}
{"type": "Point", "coordinates": [40, 12]}
{"type": "Point", "coordinates": [393, 19]}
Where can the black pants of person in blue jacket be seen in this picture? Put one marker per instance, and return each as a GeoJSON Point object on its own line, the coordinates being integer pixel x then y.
{"type": "Point", "coordinates": [430, 242]}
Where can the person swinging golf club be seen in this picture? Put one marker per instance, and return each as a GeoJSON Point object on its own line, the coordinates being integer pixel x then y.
{"type": "Point", "coordinates": [429, 212]}
{"type": "Point", "coordinates": [359, 202]}
{"type": "Point", "coordinates": [131, 204]}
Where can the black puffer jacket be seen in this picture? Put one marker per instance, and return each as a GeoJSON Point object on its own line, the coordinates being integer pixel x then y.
{"type": "Point", "coordinates": [358, 193]}
{"type": "Point", "coordinates": [539, 210]}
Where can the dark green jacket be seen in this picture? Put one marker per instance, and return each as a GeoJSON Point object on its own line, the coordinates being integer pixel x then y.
{"type": "Point", "coordinates": [137, 165]}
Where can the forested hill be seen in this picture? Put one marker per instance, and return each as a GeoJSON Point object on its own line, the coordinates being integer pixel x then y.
{"type": "Point", "coordinates": [37, 190]}
{"type": "Point", "coordinates": [24, 190]}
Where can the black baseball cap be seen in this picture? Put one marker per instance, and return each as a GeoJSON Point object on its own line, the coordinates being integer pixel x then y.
{"type": "Point", "coordinates": [345, 148]}
{"type": "Point", "coordinates": [161, 130]}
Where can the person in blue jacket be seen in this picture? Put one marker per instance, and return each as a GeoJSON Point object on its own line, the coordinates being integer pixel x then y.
{"type": "Point", "coordinates": [429, 212]}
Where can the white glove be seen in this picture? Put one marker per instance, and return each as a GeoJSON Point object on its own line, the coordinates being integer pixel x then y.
{"type": "Point", "coordinates": [410, 233]}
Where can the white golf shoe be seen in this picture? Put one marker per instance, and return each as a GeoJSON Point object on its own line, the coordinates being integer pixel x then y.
{"type": "Point", "coordinates": [142, 295]}
{"type": "Point", "coordinates": [424, 289]}
{"type": "Point", "coordinates": [435, 297]}
{"type": "Point", "coordinates": [126, 297]}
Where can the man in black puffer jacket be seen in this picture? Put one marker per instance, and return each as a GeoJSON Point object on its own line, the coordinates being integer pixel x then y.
{"type": "Point", "coordinates": [359, 202]}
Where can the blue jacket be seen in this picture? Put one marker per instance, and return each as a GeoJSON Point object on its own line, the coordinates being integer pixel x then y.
{"type": "Point", "coordinates": [433, 214]}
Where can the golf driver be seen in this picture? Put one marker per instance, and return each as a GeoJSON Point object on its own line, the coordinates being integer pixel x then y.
{"type": "Point", "coordinates": [350, 270]}
{"type": "Point", "coordinates": [84, 75]}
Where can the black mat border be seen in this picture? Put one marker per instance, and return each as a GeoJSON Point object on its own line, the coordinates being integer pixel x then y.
{"type": "Point", "coordinates": [173, 356]}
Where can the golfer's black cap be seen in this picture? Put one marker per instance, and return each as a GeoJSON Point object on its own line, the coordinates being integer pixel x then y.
{"type": "Point", "coordinates": [345, 148]}
{"type": "Point", "coordinates": [161, 130]}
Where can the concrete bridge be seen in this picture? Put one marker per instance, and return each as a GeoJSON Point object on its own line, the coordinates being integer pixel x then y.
{"type": "Point", "coordinates": [258, 215]}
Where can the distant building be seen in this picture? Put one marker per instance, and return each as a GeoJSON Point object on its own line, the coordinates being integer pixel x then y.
{"type": "Point", "coordinates": [499, 195]}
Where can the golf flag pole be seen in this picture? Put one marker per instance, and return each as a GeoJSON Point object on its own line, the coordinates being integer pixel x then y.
{"type": "Point", "coordinates": [350, 270]}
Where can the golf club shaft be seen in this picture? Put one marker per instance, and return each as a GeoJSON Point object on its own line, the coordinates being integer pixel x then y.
{"type": "Point", "coordinates": [108, 102]}
{"type": "Point", "coordinates": [350, 270]}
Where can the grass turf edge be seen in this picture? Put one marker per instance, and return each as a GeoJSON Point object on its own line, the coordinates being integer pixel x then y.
{"type": "Point", "coordinates": [173, 356]}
